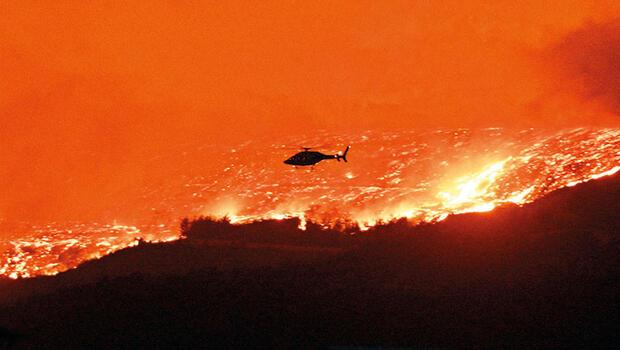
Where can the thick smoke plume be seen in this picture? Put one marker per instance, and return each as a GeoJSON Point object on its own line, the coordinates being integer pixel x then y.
{"type": "Point", "coordinates": [90, 91]}
{"type": "Point", "coordinates": [589, 63]}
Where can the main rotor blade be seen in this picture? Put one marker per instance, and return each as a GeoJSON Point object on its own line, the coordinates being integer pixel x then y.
{"type": "Point", "coordinates": [300, 147]}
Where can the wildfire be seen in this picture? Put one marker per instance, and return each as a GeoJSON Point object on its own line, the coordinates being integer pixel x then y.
{"type": "Point", "coordinates": [422, 176]}
{"type": "Point", "coordinates": [49, 250]}
{"type": "Point", "coordinates": [474, 192]}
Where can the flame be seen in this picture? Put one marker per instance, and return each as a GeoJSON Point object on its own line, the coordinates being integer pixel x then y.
{"type": "Point", "coordinates": [474, 193]}
{"type": "Point", "coordinates": [596, 176]}
{"type": "Point", "coordinates": [49, 251]}
{"type": "Point", "coordinates": [421, 176]}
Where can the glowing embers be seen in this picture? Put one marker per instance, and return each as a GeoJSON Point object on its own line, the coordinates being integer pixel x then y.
{"type": "Point", "coordinates": [423, 176]}
{"type": "Point", "coordinates": [596, 176]}
{"type": "Point", "coordinates": [52, 249]}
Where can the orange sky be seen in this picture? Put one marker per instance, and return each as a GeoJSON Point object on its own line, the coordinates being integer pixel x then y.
{"type": "Point", "coordinates": [88, 88]}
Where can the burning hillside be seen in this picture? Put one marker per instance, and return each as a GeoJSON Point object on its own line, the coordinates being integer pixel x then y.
{"type": "Point", "coordinates": [421, 175]}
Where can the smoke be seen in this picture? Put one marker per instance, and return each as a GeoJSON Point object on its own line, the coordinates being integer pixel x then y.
{"type": "Point", "coordinates": [588, 62]}
{"type": "Point", "coordinates": [89, 90]}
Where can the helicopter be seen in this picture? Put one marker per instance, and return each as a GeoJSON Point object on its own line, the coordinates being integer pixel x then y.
{"type": "Point", "coordinates": [307, 157]}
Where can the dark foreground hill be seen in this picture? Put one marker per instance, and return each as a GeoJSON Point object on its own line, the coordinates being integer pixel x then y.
{"type": "Point", "coordinates": [542, 276]}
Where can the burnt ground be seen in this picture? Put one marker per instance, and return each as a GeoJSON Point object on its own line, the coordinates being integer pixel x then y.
{"type": "Point", "coordinates": [541, 276]}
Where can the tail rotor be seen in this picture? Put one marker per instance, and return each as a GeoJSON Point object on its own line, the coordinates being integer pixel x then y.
{"type": "Point", "coordinates": [344, 155]}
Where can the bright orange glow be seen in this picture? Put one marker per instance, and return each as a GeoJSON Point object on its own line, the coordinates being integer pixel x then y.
{"type": "Point", "coordinates": [422, 176]}
{"type": "Point", "coordinates": [146, 112]}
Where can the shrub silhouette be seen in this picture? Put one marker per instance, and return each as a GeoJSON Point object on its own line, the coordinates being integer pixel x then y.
{"type": "Point", "coordinates": [541, 276]}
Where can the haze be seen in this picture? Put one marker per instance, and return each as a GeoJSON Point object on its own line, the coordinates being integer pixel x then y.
{"type": "Point", "coordinates": [91, 89]}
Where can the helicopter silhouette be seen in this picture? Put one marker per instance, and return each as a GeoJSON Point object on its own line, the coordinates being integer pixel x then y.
{"type": "Point", "coordinates": [307, 157]}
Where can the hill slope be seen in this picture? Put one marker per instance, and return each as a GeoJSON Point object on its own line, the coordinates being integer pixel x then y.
{"type": "Point", "coordinates": [541, 276]}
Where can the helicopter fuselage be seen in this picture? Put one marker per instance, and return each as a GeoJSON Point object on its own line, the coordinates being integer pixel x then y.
{"type": "Point", "coordinates": [308, 158]}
